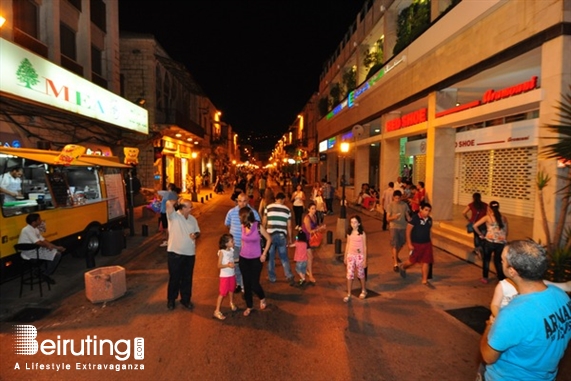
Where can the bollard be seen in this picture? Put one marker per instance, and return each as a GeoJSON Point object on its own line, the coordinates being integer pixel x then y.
{"type": "Point", "coordinates": [202, 200]}
{"type": "Point", "coordinates": [210, 195]}
{"type": "Point", "coordinates": [145, 230]}
{"type": "Point", "coordinates": [337, 246]}
{"type": "Point", "coordinates": [329, 237]}
{"type": "Point", "coordinates": [206, 197]}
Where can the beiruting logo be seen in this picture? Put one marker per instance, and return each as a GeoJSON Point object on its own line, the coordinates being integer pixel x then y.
{"type": "Point", "coordinates": [25, 343]}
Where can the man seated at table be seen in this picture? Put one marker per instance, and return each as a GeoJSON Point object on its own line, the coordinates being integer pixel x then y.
{"type": "Point", "coordinates": [49, 253]}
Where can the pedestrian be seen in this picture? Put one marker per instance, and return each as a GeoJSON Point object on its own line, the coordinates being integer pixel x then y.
{"type": "Point", "coordinates": [495, 239]}
{"type": "Point", "coordinates": [227, 280]}
{"type": "Point", "coordinates": [529, 336]}
{"type": "Point", "coordinates": [386, 200]}
{"type": "Point", "coordinates": [181, 251]}
{"type": "Point", "coordinates": [477, 209]}
{"type": "Point", "coordinates": [355, 256]}
{"type": "Point", "coordinates": [232, 221]}
{"type": "Point", "coordinates": [298, 200]}
{"type": "Point", "coordinates": [418, 239]}
{"type": "Point", "coordinates": [397, 215]}
{"type": "Point", "coordinates": [300, 256]}
{"type": "Point", "coordinates": [170, 194]}
{"type": "Point", "coordinates": [328, 193]}
{"type": "Point", "coordinates": [311, 226]}
{"type": "Point", "coordinates": [268, 199]}
{"type": "Point", "coordinates": [252, 257]}
{"type": "Point", "coordinates": [262, 185]}
{"type": "Point", "coordinates": [277, 221]}
{"type": "Point", "coordinates": [320, 206]}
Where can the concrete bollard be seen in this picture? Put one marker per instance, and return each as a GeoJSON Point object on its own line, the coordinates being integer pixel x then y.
{"type": "Point", "coordinates": [329, 237]}
{"type": "Point", "coordinates": [337, 246]}
{"type": "Point", "coordinates": [210, 195]}
{"type": "Point", "coordinates": [206, 197]}
{"type": "Point", "coordinates": [202, 200]}
{"type": "Point", "coordinates": [145, 230]}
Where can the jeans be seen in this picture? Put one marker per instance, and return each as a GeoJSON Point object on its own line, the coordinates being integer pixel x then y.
{"type": "Point", "coordinates": [237, 272]}
{"type": "Point", "coordinates": [301, 268]}
{"type": "Point", "coordinates": [329, 205]}
{"type": "Point", "coordinates": [181, 268]}
{"type": "Point", "coordinates": [495, 249]}
{"type": "Point", "coordinates": [279, 243]}
{"type": "Point", "coordinates": [251, 270]}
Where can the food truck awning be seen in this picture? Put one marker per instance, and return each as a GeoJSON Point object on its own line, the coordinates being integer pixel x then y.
{"type": "Point", "coordinates": [48, 157]}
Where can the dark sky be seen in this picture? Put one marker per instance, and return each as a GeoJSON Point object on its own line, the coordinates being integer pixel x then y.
{"type": "Point", "coordinates": [258, 61]}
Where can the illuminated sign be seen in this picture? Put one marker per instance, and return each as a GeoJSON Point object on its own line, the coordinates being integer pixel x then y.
{"type": "Point", "coordinates": [32, 77]}
{"type": "Point", "coordinates": [323, 146]}
{"type": "Point", "coordinates": [491, 96]}
{"type": "Point", "coordinates": [331, 142]}
{"type": "Point", "coordinates": [416, 117]}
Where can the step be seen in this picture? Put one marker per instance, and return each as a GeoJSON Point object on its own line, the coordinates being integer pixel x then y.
{"type": "Point", "coordinates": [454, 240]}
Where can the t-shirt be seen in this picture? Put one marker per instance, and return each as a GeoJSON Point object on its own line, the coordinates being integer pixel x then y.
{"type": "Point", "coordinates": [166, 195]}
{"type": "Point", "coordinates": [395, 208]}
{"type": "Point", "coordinates": [277, 216]}
{"type": "Point", "coordinates": [421, 229]}
{"type": "Point", "coordinates": [180, 229]}
{"type": "Point", "coordinates": [227, 257]}
{"type": "Point", "coordinates": [30, 234]}
{"type": "Point", "coordinates": [251, 247]}
{"type": "Point", "coordinates": [300, 251]}
{"type": "Point", "coordinates": [13, 184]}
{"type": "Point", "coordinates": [532, 333]}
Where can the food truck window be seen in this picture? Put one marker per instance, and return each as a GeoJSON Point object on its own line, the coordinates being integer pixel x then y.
{"type": "Point", "coordinates": [32, 186]}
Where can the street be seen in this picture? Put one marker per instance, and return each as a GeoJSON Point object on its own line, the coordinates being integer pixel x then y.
{"type": "Point", "coordinates": [400, 332]}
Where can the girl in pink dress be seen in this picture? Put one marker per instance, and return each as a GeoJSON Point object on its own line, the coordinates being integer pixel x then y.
{"type": "Point", "coordinates": [356, 256]}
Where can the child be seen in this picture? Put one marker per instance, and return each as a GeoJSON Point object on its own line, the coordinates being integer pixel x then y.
{"type": "Point", "coordinates": [300, 256]}
{"type": "Point", "coordinates": [227, 278]}
{"type": "Point", "coordinates": [355, 256]}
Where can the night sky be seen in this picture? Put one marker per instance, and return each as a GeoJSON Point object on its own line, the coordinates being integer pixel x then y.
{"type": "Point", "coordinates": [258, 61]}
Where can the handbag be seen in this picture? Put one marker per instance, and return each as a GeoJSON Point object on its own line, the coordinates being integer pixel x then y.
{"type": "Point", "coordinates": [315, 239]}
{"type": "Point", "coordinates": [470, 227]}
{"type": "Point", "coordinates": [263, 240]}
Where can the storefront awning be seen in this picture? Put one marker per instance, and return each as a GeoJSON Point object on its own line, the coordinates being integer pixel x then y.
{"type": "Point", "coordinates": [48, 157]}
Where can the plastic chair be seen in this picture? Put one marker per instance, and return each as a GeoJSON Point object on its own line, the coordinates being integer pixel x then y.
{"type": "Point", "coordinates": [31, 272]}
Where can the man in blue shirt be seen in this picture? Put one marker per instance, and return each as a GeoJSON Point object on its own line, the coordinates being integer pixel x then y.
{"type": "Point", "coordinates": [232, 220]}
{"type": "Point", "coordinates": [529, 336]}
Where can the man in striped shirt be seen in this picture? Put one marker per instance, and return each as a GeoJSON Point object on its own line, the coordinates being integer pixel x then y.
{"type": "Point", "coordinates": [233, 222]}
{"type": "Point", "coordinates": [277, 221]}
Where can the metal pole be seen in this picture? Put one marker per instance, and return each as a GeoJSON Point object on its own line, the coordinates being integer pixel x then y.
{"type": "Point", "coordinates": [343, 209]}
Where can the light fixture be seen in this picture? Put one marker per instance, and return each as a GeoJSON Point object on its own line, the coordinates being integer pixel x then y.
{"type": "Point", "coordinates": [2, 21]}
{"type": "Point", "coordinates": [141, 101]}
{"type": "Point", "coordinates": [178, 135]}
{"type": "Point", "coordinates": [196, 142]}
{"type": "Point", "coordinates": [188, 139]}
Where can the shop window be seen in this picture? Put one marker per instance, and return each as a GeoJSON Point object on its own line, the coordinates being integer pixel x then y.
{"type": "Point", "coordinates": [97, 8]}
{"type": "Point", "coordinates": [67, 41]}
{"type": "Point", "coordinates": [26, 17]}
{"type": "Point", "coordinates": [515, 118]}
{"type": "Point", "coordinates": [494, 122]}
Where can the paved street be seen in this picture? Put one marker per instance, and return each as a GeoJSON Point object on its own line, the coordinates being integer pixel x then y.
{"type": "Point", "coordinates": [400, 332]}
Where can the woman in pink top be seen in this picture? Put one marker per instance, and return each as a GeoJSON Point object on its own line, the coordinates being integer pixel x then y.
{"type": "Point", "coordinates": [252, 258]}
{"type": "Point", "coordinates": [356, 256]}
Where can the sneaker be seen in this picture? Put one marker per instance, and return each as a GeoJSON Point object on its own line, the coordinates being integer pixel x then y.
{"type": "Point", "coordinates": [164, 244]}
{"type": "Point", "coordinates": [291, 281]}
{"type": "Point", "coordinates": [301, 283]}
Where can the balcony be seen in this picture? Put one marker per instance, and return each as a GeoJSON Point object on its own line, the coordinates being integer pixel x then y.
{"type": "Point", "coordinates": [98, 80]}
{"type": "Point", "coordinates": [175, 117]}
{"type": "Point", "coordinates": [71, 65]}
{"type": "Point", "coordinates": [29, 42]}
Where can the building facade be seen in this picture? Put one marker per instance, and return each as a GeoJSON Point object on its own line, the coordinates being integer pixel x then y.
{"type": "Point", "coordinates": [464, 103]}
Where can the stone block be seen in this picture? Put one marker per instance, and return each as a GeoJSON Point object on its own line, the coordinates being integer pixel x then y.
{"type": "Point", "coordinates": [105, 284]}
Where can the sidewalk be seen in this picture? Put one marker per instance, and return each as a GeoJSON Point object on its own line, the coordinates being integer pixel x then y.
{"type": "Point", "coordinates": [70, 273]}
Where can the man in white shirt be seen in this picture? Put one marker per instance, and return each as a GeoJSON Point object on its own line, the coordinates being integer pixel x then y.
{"type": "Point", "coordinates": [49, 253]}
{"type": "Point", "coordinates": [386, 200]}
{"type": "Point", "coordinates": [11, 184]}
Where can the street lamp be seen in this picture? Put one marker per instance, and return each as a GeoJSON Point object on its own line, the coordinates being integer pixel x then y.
{"type": "Point", "coordinates": [343, 210]}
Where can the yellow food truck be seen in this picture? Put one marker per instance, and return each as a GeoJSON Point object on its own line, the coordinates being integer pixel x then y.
{"type": "Point", "coordinates": [81, 203]}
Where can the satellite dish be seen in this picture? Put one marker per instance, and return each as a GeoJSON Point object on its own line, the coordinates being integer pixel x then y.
{"type": "Point", "coordinates": [358, 130]}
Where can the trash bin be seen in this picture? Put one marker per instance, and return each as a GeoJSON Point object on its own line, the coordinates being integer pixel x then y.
{"type": "Point", "coordinates": [105, 284]}
{"type": "Point", "coordinates": [112, 242]}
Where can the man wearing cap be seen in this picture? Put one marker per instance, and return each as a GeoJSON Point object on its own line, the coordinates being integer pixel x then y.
{"type": "Point", "coordinates": [277, 221]}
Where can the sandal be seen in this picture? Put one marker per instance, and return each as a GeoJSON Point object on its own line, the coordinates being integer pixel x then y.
{"type": "Point", "coordinates": [363, 295]}
{"type": "Point", "coordinates": [347, 298]}
{"type": "Point", "coordinates": [233, 307]}
{"type": "Point", "coordinates": [247, 311]}
{"type": "Point", "coordinates": [219, 315]}
{"type": "Point", "coordinates": [263, 304]}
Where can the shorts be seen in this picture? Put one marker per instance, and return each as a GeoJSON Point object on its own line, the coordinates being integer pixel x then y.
{"type": "Point", "coordinates": [164, 221]}
{"type": "Point", "coordinates": [398, 237]}
{"type": "Point", "coordinates": [355, 261]}
{"type": "Point", "coordinates": [301, 267]}
{"type": "Point", "coordinates": [227, 285]}
{"type": "Point", "coordinates": [422, 253]}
